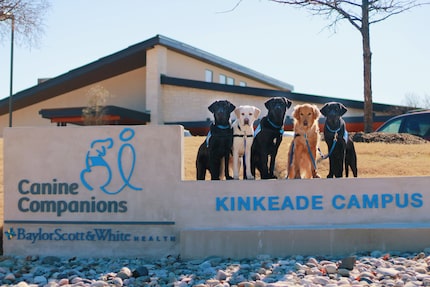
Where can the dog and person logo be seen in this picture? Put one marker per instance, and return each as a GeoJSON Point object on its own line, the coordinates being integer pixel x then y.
{"type": "Point", "coordinates": [108, 167]}
{"type": "Point", "coordinates": [96, 157]}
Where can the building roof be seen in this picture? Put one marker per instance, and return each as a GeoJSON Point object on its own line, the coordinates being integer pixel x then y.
{"type": "Point", "coordinates": [118, 63]}
{"type": "Point", "coordinates": [173, 81]}
{"type": "Point", "coordinates": [134, 57]}
{"type": "Point", "coordinates": [108, 115]}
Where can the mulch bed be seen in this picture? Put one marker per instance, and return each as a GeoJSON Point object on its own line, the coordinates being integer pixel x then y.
{"type": "Point", "coordinates": [387, 138]}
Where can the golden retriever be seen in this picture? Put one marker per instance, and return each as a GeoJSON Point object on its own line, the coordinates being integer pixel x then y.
{"type": "Point", "coordinates": [303, 148]}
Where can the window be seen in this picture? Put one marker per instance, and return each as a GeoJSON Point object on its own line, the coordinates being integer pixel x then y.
{"type": "Point", "coordinates": [242, 84]}
{"type": "Point", "coordinates": [418, 125]}
{"type": "Point", "coordinates": [230, 81]}
{"type": "Point", "coordinates": [391, 127]}
{"type": "Point", "coordinates": [208, 76]}
{"type": "Point", "coordinates": [222, 79]}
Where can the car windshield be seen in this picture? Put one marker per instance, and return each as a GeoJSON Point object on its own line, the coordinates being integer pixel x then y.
{"type": "Point", "coordinates": [391, 127]}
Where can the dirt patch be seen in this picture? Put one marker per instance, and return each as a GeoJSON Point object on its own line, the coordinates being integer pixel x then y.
{"type": "Point", "coordinates": [387, 138]}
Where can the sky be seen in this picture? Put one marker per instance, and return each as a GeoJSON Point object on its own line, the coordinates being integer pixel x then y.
{"type": "Point", "coordinates": [286, 43]}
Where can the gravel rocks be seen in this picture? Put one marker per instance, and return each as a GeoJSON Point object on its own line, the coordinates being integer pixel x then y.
{"type": "Point", "coordinates": [374, 269]}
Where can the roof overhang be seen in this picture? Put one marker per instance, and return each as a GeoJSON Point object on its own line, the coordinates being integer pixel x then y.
{"type": "Point", "coordinates": [109, 115]}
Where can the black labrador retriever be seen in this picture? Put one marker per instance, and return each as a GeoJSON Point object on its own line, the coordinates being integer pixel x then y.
{"type": "Point", "coordinates": [218, 143]}
{"type": "Point", "coordinates": [268, 137]}
{"type": "Point", "coordinates": [340, 145]}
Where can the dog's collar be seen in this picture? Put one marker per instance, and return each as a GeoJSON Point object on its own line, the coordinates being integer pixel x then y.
{"type": "Point", "coordinates": [273, 124]}
{"type": "Point", "coordinates": [223, 127]}
{"type": "Point", "coordinates": [331, 130]}
{"type": "Point", "coordinates": [281, 130]}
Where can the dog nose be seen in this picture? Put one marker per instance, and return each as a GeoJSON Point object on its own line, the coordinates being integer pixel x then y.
{"type": "Point", "coordinates": [305, 122]}
{"type": "Point", "coordinates": [246, 121]}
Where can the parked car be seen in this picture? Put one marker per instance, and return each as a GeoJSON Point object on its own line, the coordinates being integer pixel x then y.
{"type": "Point", "coordinates": [414, 123]}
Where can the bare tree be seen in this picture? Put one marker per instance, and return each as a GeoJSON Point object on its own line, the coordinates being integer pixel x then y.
{"type": "Point", "coordinates": [426, 101]}
{"type": "Point", "coordinates": [26, 16]}
{"type": "Point", "coordinates": [360, 14]}
{"type": "Point", "coordinates": [415, 101]}
{"type": "Point", "coordinates": [94, 113]}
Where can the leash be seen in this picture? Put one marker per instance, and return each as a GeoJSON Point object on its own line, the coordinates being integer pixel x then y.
{"type": "Point", "coordinates": [335, 132]}
{"type": "Point", "coordinates": [331, 150]}
{"type": "Point", "coordinates": [244, 136]}
{"type": "Point", "coordinates": [310, 153]}
{"type": "Point", "coordinates": [290, 159]}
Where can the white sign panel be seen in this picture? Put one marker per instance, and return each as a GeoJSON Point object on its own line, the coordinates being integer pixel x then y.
{"type": "Point", "coordinates": [119, 191]}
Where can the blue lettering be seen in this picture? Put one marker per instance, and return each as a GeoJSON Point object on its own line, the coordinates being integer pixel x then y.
{"type": "Point", "coordinates": [335, 203]}
{"type": "Point", "coordinates": [287, 203]}
{"type": "Point", "coordinates": [220, 204]}
{"type": "Point", "coordinates": [54, 187]}
{"type": "Point", "coordinates": [370, 202]}
{"type": "Point", "coordinates": [273, 202]}
{"type": "Point", "coordinates": [20, 186]}
{"type": "Point", "coordinates": [317, 202]}
{"type": "Point", "coordinates": [108, 235]}
{"type": "Point", "coordinates": [353, 202]}
{"type": "Point", "coordinates": [302, 202]}
{"type": "Point", "coordinates": [101, 234]}
{"type": "Point", "coordinates": [232, 203]}
{"type": "Point", "coordinates": [244, 203]}
{"type": "Point", "coordinates": [20, 204]}
{"type": "Point", "coordinates": [405, 200]}
{"type": "Point", "coordinates": [61, 207]}
{"type": "Point", "coordinates": [258, 203]}
{"type": "Point", "coordinates": [20, 234]}
{"type": "Point", "coordinates": [386, 198]}
{"type": "Point", "coordinates": [417, 200]}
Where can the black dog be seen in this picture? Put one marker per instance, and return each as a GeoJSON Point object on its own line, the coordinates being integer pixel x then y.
{"type": "Point", "coordinates": [218, 143]}
{"type": "Point", "coordinates": [340, 145]}
{"type": "Point", "coordinates": [268, 137]}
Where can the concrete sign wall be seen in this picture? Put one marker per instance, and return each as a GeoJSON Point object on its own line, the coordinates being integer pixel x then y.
{"type": "Point", "coordinates": [118, 191]}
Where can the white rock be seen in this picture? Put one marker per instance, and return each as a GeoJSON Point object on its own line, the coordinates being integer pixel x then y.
{"type": "Point", "coordinates": [387, 271]}
{"type": "Point", "coordinates": [320, 280]}
{"type": "Point", "coordinates": [331, 268]}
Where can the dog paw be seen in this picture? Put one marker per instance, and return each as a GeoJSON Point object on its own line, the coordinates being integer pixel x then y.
{"type": "Point", "coordinates": [250, 177]}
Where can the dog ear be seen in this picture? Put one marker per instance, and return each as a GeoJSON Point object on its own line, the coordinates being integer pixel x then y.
{"type": "Point", "coordinates": [231, 107]}
{"type": "Point", "coordinates": [268, 103]}
{"type": "Point", "coordinates": [212, 107]}
{"type": "Point", "coordinates": [317, 112]}
{"type": "Point", "coordinates": [287, 102]}
{"type": "Point", "coordinates": [296, 112]}
{"type": "Point", "coordinates": [343, 109]}
{"type": "Point", "coordinates": [324, 109]}
{"type": "Point", "coordinates": [257, 112]}
{"type": "Point", "coordinates": [237, 112]}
